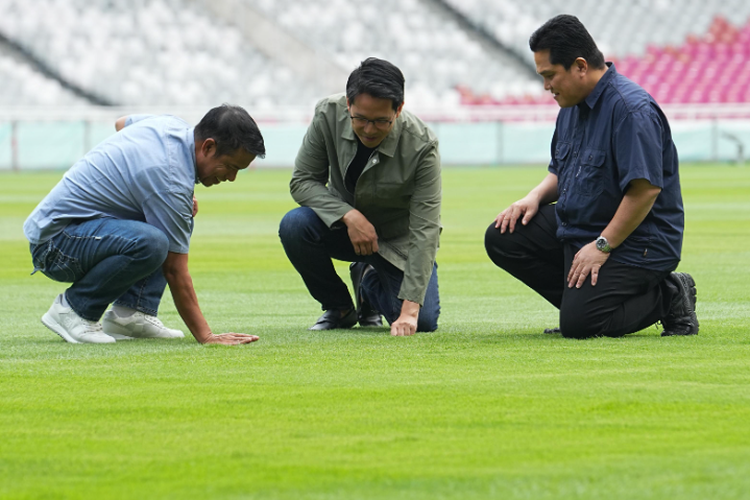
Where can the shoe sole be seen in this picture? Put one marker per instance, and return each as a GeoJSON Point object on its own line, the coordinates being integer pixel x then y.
{"type": "Point", "coordinates": [49, 322]}
{"type": "Point", "coordinates": [121, 333]}
{"type": "Point", "coordinates": [688, 280]}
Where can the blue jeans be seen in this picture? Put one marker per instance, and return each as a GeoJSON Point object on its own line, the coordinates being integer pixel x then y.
{"type": "Point", "coordinates": [107, 260]}
{"type": "Point", "coordinates": [310, 245]}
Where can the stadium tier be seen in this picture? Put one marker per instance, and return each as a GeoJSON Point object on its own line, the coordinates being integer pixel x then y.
{"type": "Point", "coordinates": [22, 83]}
{"type": "Point", "coordinates": [148, 52]}
{"type": "Point", "coordinates": [452, 52]}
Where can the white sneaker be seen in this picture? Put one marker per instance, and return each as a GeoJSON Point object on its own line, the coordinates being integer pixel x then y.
{"type": "Point", "coordinates": [137, 326]}
{"type": "Point", "coordinates": [73, 328]}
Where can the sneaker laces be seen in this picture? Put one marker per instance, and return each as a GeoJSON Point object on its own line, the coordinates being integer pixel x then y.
{"type": "Point", "coordinates": [153, 320]}
{"type": "Point", "coordinates": [92, 326]}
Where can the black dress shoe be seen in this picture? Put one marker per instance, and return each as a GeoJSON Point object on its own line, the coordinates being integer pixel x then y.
{"type": "Point", "coordinates": [552, 330]}
{"type": "Point", "coordinates": [366, 314]}
{"type": "Point", "coordinates": [332, 320]}
{"type": "Point", "coordinates": [681, 318]}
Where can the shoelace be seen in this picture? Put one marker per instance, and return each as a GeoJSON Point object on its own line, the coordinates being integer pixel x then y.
{"type": "Point", "coordinates": [153, 320]}
{"type": "Point", "coordinates": [93, 326]}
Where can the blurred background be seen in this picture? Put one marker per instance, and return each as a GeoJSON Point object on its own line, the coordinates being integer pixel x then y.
{"type": "Point", "coordinates": [69, 68]}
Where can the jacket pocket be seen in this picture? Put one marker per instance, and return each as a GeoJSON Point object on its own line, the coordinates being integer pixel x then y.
{"type": "Point", "coordinates": [394, 227]}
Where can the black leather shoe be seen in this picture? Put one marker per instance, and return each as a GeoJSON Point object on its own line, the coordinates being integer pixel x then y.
{"type": "Point", "coordinates": [332, 320]}
{"type": "Point", "coordinates": [681, 318]}
{"type": "Point", "coordinates": [552, 330]}
{"type": "Point", "coordinates": [366, 314]}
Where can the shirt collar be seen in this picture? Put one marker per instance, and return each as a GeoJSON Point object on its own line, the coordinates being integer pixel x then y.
{"type": "Point", "coordinates": [190, 139]}
{"type": "Point", "coordinates": [388, 146]}
{"type": "Point", "coordinates": [600, 86]}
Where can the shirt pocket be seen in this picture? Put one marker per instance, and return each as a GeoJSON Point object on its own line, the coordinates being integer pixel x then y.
{"type": "Point", "coordinates": [562, 149]}
{"type": "Point", "coordinates": [589, 175]}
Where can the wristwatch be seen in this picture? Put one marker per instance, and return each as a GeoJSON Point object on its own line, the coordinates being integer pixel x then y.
{"type": "Point", "coordinates": [603, 245]}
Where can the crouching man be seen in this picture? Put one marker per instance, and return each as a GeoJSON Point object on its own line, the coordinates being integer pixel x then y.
{"type": "Point", "coordinates": [118, 225]}
{"type": "Point", "coordinates": [368, 179]}
{"type": "Point", "coordinates": [605, 253]}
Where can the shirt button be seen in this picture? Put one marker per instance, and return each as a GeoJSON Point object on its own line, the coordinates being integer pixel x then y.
{"type": "Point", "coordinates": [565, 224]}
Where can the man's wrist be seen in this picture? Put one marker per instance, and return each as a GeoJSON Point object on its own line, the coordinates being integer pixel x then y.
{"type": "Point", "coordinates": [410, 308]}
{"type": "Point", "coordinates": [602, 244]}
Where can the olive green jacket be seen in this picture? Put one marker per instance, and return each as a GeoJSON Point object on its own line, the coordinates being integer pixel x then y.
{"type": "Point", "coordinates": [399, 190]}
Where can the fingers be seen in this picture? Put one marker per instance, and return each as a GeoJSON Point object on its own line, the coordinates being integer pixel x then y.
{"type": "Point", "coordinates": [507, 219]}
{"type": "Point", "coordinates": [233, 339]}
{"type": "Point", "coordinates": [366, 247]}
{"type": "Point", "coordinates": [499, 220]}
{"type": "Point", "coordinates": [582, 278]}
{"type": "Point", "coordinates": [579, 272]}
{"type": "Point", "coordinates": [399, 329]}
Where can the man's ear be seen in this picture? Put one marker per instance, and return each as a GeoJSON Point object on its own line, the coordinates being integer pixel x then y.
{"type": "Point", "coordinates": [582, 66]}
{"type": "Point", "coordinates": [208, 148]}
{"type": "Point", "coordinates": [398, 111]}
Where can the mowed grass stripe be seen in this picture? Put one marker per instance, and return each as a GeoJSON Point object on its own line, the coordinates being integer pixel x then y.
{"type": "Point", "coordinates": [487, 407]}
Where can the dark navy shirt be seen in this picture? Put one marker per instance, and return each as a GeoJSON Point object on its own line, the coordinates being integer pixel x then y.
{"type": "Point", "coordinates": [617, 134]}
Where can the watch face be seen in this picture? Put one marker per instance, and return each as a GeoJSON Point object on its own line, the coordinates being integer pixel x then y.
{"type": "Point", "coordinates": [601, 244]}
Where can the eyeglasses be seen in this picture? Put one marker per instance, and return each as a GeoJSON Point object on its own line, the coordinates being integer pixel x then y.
{"type": "Point", "coordinates": [380, 123]}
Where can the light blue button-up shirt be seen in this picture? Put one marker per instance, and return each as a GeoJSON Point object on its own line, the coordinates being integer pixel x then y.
{"type": "Point", "coordinates": [145, 172]}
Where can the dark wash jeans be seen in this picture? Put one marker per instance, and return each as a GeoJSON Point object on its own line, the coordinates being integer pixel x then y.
{"type": "Point", "coordinates": [625, 299]}
{"type": "Point", "coordinates": [310, 246]}
{"type": "Point", "coordinates": [107, 260]}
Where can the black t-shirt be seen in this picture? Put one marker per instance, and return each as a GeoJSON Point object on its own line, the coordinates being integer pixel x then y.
{"type": "Point", "coordinates": [357, 165]}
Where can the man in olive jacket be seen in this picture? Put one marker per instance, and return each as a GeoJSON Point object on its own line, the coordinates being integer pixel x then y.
{"type": "Point", "coordinates": [367, 177]}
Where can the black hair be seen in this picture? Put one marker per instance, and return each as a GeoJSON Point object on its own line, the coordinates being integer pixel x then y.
{"type": "Point", "coordinates": [379, 78]}
{"type": "Point", "coordinates": [567, 39]}
{"type": "Point", "coordinates": [232, 128]}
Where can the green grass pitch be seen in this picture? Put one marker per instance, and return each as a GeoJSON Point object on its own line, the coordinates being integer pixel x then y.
{"type": "Point", "coordinates": [486, 407]}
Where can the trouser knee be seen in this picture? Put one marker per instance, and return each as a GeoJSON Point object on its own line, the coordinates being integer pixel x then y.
{"type": "Point", "coordinates": [502, 247]}
{"type": "Point", "coordinates": [579, 325]}
{"type": "Point", "coordinates": [428, 323]}
{"type": "Point", "coordinates": [151, 247]}
{"type": "Point", "coordinates": [298, 225]}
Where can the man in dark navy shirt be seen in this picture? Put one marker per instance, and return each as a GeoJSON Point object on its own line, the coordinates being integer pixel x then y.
{"type": "Point", "coordinates": [605, 253]}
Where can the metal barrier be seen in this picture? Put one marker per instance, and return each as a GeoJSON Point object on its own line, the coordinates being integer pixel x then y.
{"type": "Point", "coordinates": [55, 138]}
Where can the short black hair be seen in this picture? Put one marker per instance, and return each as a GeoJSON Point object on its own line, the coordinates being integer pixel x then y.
{"type": "Point", "coordinates": [232, 128]}
{"type": "Point", "coordinates": [379, 78]}
{"type": "Point", "coordinates": [567, 39]}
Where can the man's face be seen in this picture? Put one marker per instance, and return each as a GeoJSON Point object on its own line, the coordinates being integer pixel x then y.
{"type": "Point", "coordinates": [372, 118]}
{"type": "Point", "coordinates": [213, 170]}
{"type": "Point", "coordinates": [568, 86]}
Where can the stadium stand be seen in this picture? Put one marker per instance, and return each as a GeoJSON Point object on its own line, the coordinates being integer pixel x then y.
{"type": "Point", "coordinates": [438, 57]}
{"type": "Point", "coordinates": [658, 44]}
{"type": "Point", "coordinates": [149, 52]}
{"type": "Point", "coordinates": [22, 83]}
{"type": "Point", "coordinates": [178, 53]}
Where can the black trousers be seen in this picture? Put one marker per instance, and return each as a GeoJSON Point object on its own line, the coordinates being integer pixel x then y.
{"type": "Point", "coordinates": [625, 299]}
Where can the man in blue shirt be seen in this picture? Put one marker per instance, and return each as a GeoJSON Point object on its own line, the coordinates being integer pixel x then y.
{"type": "Point", "coordinates": [605, 253]}
{"type": "Point", "coordinates": [118, 225]}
